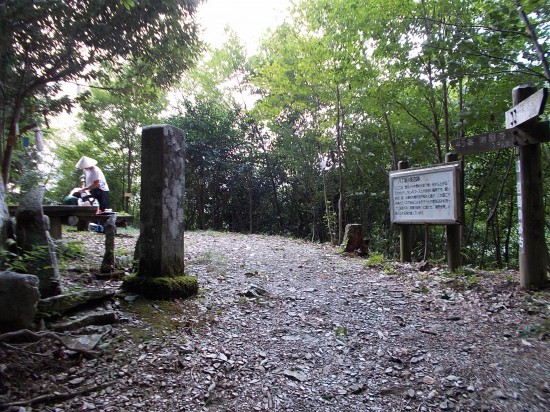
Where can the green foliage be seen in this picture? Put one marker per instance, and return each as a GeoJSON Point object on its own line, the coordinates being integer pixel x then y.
{"type": "Point", "coordinates": [427, 72]}
{"type": "Point", "coordinates": [111, 118]}
{"type": "Point", "coordinates": [69, 250]}
{"type": "Point", "coordinates": [375, 260]}
{"type": "Point", "coordinates": [463, 278]}
{"type": "Point", "coordinates": [342, 91]}
{"type": "Point", "coordinates": [219, 171]}
{"type": "Point", "coordinates": [341, 331]}
{"type": "Point", "coordinates": [20, 261]}
{"type": "Point", "coordinates": [157, 40]}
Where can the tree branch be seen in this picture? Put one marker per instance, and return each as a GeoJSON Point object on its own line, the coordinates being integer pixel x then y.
{"type": "Point", "coordinates": [538, 47]}
{"type": "Point", "coordinates": [26, 335]}
{"type": "Point", "coordinates": [55, 397]}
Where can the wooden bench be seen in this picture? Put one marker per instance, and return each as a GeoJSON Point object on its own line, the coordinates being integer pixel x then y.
{"type": "Point", "coordinates": [79, 216]}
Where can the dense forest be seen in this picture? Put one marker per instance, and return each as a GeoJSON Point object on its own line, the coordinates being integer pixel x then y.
{"type": "Point", "coordinates": [297, 139]}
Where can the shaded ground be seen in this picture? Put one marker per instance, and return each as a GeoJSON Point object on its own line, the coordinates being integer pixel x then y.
{"type": "Point", "coordinates": [285, 325]}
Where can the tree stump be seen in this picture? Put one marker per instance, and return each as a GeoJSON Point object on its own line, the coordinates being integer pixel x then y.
{"type": "Point", "coordinates": [353, 239]}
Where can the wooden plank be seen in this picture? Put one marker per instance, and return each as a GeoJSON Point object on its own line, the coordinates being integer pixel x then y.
{"type": "Point", "coordinates": [486, 142]}
{"type": "Point", "coordinates": [527, 109]}
{"type": "Point", "coordinates": [59, 214]}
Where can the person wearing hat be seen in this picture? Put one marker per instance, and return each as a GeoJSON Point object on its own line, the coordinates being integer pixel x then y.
{"type": "Point", "coordinates": [95, 181]}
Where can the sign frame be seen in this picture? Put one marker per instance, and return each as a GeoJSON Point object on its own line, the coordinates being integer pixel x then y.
{"type": "Point", "coordinates": [453, 215]}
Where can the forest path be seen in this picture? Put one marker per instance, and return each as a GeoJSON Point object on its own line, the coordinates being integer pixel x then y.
{"type": "Point", "coordinates": [286, 325]}
{"type": "Point", "coordinates": [335, 335]}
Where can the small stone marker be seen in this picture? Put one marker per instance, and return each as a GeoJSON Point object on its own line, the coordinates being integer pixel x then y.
{"type": "Point", "coordinates": [18, 298]}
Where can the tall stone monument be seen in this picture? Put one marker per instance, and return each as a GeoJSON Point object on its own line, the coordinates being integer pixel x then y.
{"type": "Point", "coordinates": [160, 247]}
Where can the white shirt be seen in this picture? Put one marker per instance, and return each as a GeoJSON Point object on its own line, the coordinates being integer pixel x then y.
{"type": "Point", "coordinates": [94, 173]}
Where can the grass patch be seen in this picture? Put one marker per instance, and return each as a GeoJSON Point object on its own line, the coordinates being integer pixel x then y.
{"type": "Point", "coordinates": [375, 260]}
{"type": "Point", "coordinates": [204, 258]}
{"type": "Point", "coordinates": [378, 261]}
{"type": "Point", "coordinates": [160, 317]}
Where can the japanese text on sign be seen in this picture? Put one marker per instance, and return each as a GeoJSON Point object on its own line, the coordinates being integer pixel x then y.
{"type": "Point", "coordinates": [425, 195]}
{"type": "Point", "coordinates": [485, 142]}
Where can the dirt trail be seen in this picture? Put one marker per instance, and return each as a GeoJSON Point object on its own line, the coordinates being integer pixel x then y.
{"type": "Point", "coordinates": [335, 335]}
{"type": "Point", "coordinates": [286, 325]}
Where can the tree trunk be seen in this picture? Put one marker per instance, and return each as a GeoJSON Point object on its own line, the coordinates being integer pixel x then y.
{"type": "Point", "coordinates": [11, 143]}
{"type": "Point", "coordinates": [392, 142]}
{"type": "Point", "coordinates": [129, 180]}
{"type": "Point", "coordinates": [250, 203]}
{"type": "Point", "coordinates": [200, 201]}
{"type": "Point", "coordinates": [328, 212]}
{"type": "Point", "coordinates": [509, 225]}
{"type": "Point", "coordinates": [341, 193]}
{"type": "Point", "coordinates": [492, 218]}
{"type": "Point", "coordinates": [478, 197]}
{"type": "Point", "coordinates": [446, 114]}
{"type": "Point", "coordinates": [271, 177]}
{"type": "Point", "coordinates": [533, 35]}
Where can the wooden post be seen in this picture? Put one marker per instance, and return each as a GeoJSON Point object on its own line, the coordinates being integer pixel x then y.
{"type": "Point", "coordinates": [454, 257]}
{"type": "Point", "coordinates": [532, 244]}
{"type": "Point", "coordinates": [404, 230]}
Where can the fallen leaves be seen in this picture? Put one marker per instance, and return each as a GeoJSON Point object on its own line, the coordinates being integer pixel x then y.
{"type": "Point", "coordinates": [315, 331]}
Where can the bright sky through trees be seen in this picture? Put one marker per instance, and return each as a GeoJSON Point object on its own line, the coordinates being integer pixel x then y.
{"type": "Point", "coordinates": [250, 19]}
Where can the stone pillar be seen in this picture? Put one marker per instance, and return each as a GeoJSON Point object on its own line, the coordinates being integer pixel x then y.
{"type": "Point", "coordinates": [162, 194]}
{"type": "Point", "coordinates": [18, 298]}
{"type": "Point", "coordinates": [161, 259]}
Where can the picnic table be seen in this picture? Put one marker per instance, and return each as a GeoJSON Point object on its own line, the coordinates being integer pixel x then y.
{"type": "Point", "coordinates": [73, 215]}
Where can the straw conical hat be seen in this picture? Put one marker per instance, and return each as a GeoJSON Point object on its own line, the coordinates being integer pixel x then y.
{"type": "Point", "coordinates": [85, 162]}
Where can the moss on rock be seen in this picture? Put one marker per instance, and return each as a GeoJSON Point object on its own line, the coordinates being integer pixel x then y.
{"type": "Point", "coordinates": [163, 288]}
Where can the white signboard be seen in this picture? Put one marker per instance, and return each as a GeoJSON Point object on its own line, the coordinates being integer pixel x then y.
{"type": "Point", "coordinates": [428, 195]}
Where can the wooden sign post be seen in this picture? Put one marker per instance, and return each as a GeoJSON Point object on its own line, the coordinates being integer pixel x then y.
{"type": "Point", "coordinates": [429, 196]}
{"type": "Point", "coordinates": [405, 251]}
{"type": "Point", "coordinates": [524, 132]}
{"type": "Point", "coordinates": [532, 242]}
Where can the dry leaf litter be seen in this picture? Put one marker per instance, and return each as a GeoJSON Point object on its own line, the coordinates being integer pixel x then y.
{"type": "Point", "coordinates": [287, 325]}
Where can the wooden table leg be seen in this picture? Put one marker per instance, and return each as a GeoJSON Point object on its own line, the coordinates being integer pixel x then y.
{"type": "Point", "coordinates": [55, 227]}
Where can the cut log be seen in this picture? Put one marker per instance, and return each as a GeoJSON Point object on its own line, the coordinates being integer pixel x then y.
{"type": "Point", "coordinates": [353, 239]}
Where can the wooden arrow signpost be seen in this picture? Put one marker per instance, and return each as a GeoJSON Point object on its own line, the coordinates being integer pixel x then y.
{"type": "Point", "coordinates": [525, 132]}
{"type": "Point", "coordinates": [527, 109]}
{"type": "Point", "coordinates": [503, 139]}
